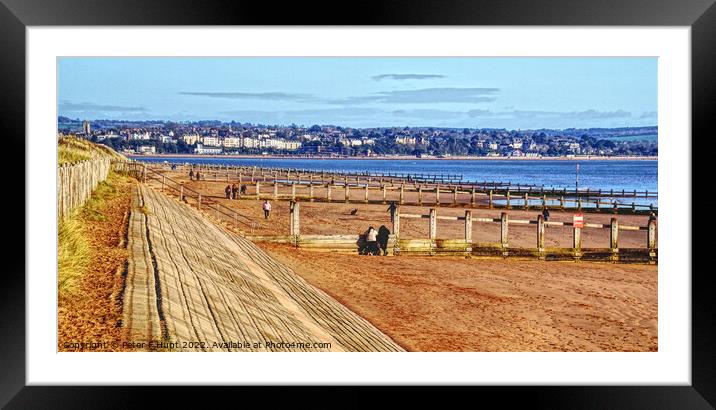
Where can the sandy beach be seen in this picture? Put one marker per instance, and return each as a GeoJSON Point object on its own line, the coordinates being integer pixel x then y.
{"type": "Point", "coordinates": [457, 304]}
{"type": "Point", "coordinates": [471, 304]}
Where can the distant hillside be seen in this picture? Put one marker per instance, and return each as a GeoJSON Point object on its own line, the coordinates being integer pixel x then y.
{"type": "Point", "coordinates": [71, 150]}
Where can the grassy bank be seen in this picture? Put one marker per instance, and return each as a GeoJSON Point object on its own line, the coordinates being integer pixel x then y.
{"type": "Point", "coordinates": [71, 150]}
{"type": "Point", "coordinates": [74, 250]}
{"type": "Point", "coordinates": [91, 260]}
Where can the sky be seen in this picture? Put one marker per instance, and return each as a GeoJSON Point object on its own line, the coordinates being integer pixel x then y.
{"type": "Point", "coordinates": [362, 92]}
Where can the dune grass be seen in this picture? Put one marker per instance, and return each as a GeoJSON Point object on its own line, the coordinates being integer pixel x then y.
{"type": "Point", "coordinates": [71, 150]}
{"type": "Point", "coordinates": [74, 252]}
{"type": "Point", "coordinates": [73, 255]}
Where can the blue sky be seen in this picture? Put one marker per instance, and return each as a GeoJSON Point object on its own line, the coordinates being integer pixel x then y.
{"type": "Point", "coordinates": [485, 92]}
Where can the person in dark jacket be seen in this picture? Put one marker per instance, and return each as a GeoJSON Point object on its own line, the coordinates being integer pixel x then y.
{"type": "Point", "coordinates": [383, 234]}
{"type": "Point", "coordinates": [227, 190]}
{"type": "Point", "coordinates": [191, 175]}
{"type": "Point", "coordinates": [545, 214]}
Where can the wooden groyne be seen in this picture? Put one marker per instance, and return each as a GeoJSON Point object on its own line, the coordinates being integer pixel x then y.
{"type": "Point", "coordinates": [255, 173]}
{"type": "Point", "coordinates": [434, 245]}
{"type": "Point", "coordinates": [321, 186]}
{"type": "Point", "coordinates": [75, 183]}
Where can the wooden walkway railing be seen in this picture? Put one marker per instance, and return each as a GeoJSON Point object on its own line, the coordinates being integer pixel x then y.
{"type": "Point", "coordinates": [202, 202]}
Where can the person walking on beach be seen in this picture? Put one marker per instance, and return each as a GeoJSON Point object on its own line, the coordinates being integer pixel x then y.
{"type": "Point", "coordinates": [383, 234]}
{"type": "Point", "coordinates": [267, 208]}
{"type": "Point", "coordinates": [198, 177]}
{"type": "Point", "coordinates": [545, 214]}
{"type": "Point", "coordinates": [371, 241]}
{"type": "Point", "coordinates": [243, 190]}
{"type": "Point", "coordinates": [234, 190]}
{"type": "Point", "coordinates": [227, 190]}
{"type": "Point", "coordinates": [392, 209]}
{"type": "Point", "coordinates": [191, 175]}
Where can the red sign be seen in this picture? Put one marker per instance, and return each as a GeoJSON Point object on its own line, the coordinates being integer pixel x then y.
{"type": "Point", "coordinates": [578, 220]}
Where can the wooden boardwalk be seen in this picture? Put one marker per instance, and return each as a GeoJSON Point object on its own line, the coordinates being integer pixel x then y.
{"type": "Point", "coordinates": [192, 282]}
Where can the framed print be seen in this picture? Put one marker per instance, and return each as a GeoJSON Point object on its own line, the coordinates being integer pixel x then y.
{"type": "Point", "coordinates": [467, 197]}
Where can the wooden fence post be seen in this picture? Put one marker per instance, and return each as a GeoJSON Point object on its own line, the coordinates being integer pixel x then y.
{"type": "Point", "coordinates": [490, 199]}
{"type": "Point", "coordinates": [144, 174]}
{"type": "Point", "coordinates": [437, 194]}
{"type": "Point", "coordinates": [504, 232]}
{"type": "Point", "coordinates": [614, 239]}
{"type": "Point", "coordinates": [472, 197]}
{"type": "Point", "coordinates": [294, 225]}
{"type": "Point", "coordinates": [328, 192]}
{"type": "Point", "coordinates": [540, 236]}
{"type": "Point", "coordinates": [454, 195]}
{"type": "Point", "coordinates": [651, 240]}
{"type": "Point", "coordinates": [275, 189]}
{"type": "Point", "coordinates": [293, 191]}
{"type": "Point", "coordinates": [527, 201]}
{"type": "Point", "coordinates": [396, 229]}
{"type": "Point", "coordinates": [310, 190]}
{"type": "Point", "coordinates": [420, 194]}
{"type": "Point", "coordinates": [258, 189]}
{"type": "Point", "coordinates": [468, 231]}
{"type": "Point", "coordinates": [384, 193]}
{"type": "Point", "coordinates": [366, 193]}
{"type": "Point", "coordinates": [577, 243]}
{"type": "Point", "coordinates": [401, 194]}
{"type": "Point", "coordinates": [651, 237]}
{"type": "Point", "coordinates": [433, 224]}
{"type": "Point", "coordinates": [508, 199]}
{"type": "Point", "coordinates": [347, 191]}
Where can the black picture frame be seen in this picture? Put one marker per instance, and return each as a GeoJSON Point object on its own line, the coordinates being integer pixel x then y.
{"type": "Point", "coordinates": [16, 15]}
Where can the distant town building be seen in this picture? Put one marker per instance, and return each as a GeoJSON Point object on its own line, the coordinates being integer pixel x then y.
{"type": "Point", "coordinates": [190, 139]}
{"type": "Point", "coordinates": [213, 141]}
{"type": "Point", "coordinates": [86, 128]}
{"type": "Point", "coordinates": [201, 150]}
{"type": "Point", "coordinates": [232, 142]}
{"type": "Point", "coordinates": [147, 149]}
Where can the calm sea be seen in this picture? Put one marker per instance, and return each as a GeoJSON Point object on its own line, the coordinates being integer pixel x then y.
{"type": "Point", "coordinates": [594, 174]}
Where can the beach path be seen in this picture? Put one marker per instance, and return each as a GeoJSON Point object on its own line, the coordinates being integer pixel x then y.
{"type": "Point", "coordinates": [191, 282]}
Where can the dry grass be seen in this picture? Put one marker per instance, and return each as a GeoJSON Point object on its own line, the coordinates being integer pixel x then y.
{"type": "Point", "coordinates": [73, 256]}
{"type": "Point", "coordinates": [91, 259]}
{"type": "Point", "coordinates": [71, 150]}
{"type": "Point", "coordinates": [73, 248]}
